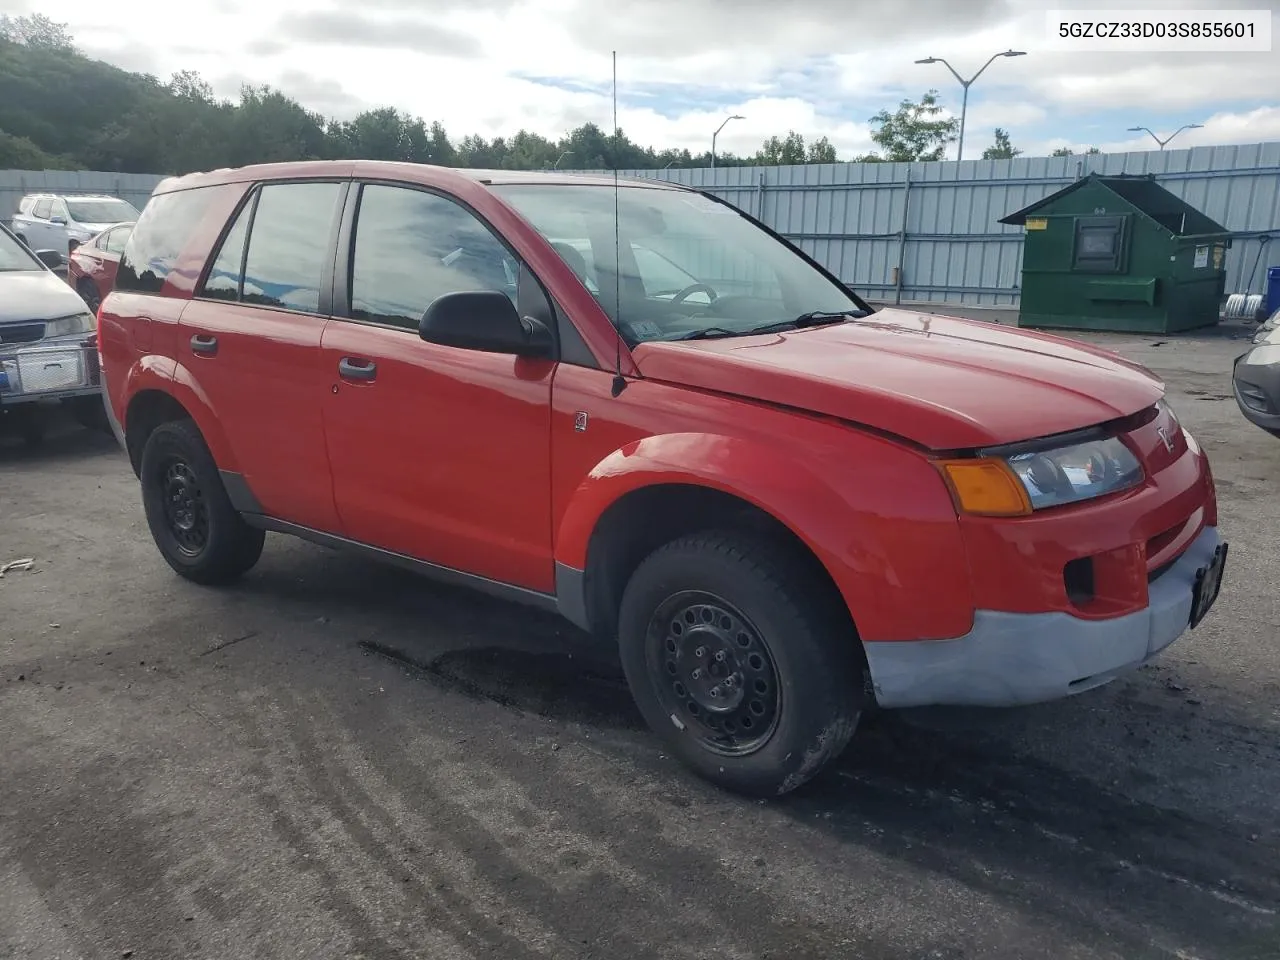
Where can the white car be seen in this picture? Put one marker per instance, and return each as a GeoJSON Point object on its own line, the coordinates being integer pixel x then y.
{"type": "Point", "coordinates": [48, 221]}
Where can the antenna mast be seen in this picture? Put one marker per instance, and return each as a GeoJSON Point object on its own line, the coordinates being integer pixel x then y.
{"type": "Point", "coordinates": [619, 381]}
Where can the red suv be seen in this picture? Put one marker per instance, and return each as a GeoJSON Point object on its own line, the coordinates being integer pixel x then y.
{"type": "Point", "coordinates": [636, 405]}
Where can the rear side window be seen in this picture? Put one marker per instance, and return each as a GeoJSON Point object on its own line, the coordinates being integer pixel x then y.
{"type": "Point", "coordinates": [413, 246]}
{"type": "Point", "coordinates": [158, 238]}
{"type": "Point", "coordinates": [116, 239]}
{"type": "Point", "coordinates": [288, 227]}
{"type": "Point", "coordinates": [223, 281]}
{"type": "Point", "coordinates": [25, 205]}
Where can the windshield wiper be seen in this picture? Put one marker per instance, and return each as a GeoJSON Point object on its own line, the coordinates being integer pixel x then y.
{"type": "Point", "coordinates": [709, 333]}
{"type": "Point", "coordinates": [815, 318]}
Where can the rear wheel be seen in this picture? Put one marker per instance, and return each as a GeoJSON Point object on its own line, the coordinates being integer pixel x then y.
{"type": "Point", "coordinates": [198, 532]}
{"type": "Point", "coordinates": [740, 662]}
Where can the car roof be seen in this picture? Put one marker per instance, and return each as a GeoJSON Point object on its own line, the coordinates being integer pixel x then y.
{"type": "Point", "coordinates": [70, 196]}
{"type": "Point", "coordinates": [388, 169]}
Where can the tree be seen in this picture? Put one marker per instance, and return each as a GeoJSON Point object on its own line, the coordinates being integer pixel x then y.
{"type": "Point", "coordinates": [821, 151]}
{"type": "Point", "coordinates": [915, 131]}
{"type": "Point", "coordinates": [1002, 149]}
{"type": "Point", "coordinates": [37, 31]}
{"type": "Point", "coordinates": [1066, 152]}
{"type": "Point", "coordinates": [777, 152]}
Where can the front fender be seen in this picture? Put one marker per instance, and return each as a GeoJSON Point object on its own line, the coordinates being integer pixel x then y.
{"type": "Point", "coordinates": [883, 527]}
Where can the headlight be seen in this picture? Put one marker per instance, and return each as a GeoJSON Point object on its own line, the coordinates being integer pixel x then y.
{"type": "Point", "coordinates": [1263, 355]}
{"type": "Point", "coordinates": [69, 326]}
{"type": "Point", "coordinates": [1020, 482]}
{"type": "Point", "coordinates": [1081, 471]}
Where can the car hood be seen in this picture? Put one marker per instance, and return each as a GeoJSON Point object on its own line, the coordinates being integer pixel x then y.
{"type": "Point", "coordinates": [943, 382]}
{"type": "Point", "coordinates": [27, 295]}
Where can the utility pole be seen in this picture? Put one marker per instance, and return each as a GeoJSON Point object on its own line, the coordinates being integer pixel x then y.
{"type": "Point", "coordinates": [1185, 126]}
{"type": "Point", "coordinates": [964, 103]}
{"type": "Point", "coordinates": [717, 133]}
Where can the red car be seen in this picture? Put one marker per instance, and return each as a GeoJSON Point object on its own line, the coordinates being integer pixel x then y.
{"type": "Point", "coordinates": [91, 266]}
{"type": "Point", "coordinates": [782, 506]}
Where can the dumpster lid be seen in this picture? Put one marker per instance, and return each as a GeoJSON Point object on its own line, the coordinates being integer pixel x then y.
{"type": "Point", "coordinates": [1142, 192]}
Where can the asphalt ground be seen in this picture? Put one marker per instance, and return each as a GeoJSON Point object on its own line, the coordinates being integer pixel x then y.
{"type": "Point", "coordinates": [336, 759]}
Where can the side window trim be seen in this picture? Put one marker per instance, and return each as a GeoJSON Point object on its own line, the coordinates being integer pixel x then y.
{"type": "Point", "coordinates": [345, 253]}
{"type": "Point", "coordinates": [251, 197]}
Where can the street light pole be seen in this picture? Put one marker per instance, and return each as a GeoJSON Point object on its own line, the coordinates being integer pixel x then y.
{"type": "Point", "coordinates": [1185, 126]}
{"type": "Point", "coordinates": [567, 153]}
{"type": "Point", "coordinates": [964, 103]}
{"type": "Point", "coordinates": [717, 133]}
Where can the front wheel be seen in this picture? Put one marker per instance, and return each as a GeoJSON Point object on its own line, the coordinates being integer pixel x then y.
{"type": "Point", "coordinates": [747, 669]}
{"type": "Point", "coordinates": [198, 532]}
{"type": "Point", "coordinates": [88, 291]}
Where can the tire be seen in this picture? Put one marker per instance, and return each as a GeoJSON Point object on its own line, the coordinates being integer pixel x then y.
{"type": "Point", "coordinates": [32, 425]}
{"type": "Point", "coordinates": [88, 291]}
{"type": "Point", "coordinates": [796, 662]}
{"type": "Point", "coordinates": [198, 532]}
{"type": "Point", "coordinates": [90, 413]}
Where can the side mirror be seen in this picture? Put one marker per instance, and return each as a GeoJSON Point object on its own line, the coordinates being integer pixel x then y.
{"type": "Point", "coordinates": [483, 320]}
{"type": "Point", "coordinates": [51, 259]}
{"type": "Point", "coordinates": [58, 221]}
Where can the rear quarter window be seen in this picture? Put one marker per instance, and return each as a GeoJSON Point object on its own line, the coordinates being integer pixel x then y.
{"type": "Point", "coordinates": [163, 229]}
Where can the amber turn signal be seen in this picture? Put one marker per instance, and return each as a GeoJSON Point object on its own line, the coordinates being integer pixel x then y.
{"type": "Point", "coordinates": [986, 487]}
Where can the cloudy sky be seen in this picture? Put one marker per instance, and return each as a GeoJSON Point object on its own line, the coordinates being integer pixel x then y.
{"type": "Point", "coordinates": [823, 67]}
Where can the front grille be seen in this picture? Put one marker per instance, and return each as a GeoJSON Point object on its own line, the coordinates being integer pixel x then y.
{"type": "Point", "coordinates": [21, 333]}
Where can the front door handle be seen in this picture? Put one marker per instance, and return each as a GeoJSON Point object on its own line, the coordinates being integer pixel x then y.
{"type": "Point", "coordinates": [204, 345]}
{"type": "Point", "coordinates": [357, 368]}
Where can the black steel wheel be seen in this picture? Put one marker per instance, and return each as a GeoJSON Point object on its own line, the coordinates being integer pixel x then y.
{"type": "Point", "coordinates": [742, 659]}
{"type": "Point", "coordinates": [196, 529]}
{"type": "Point", "coordinates": [713, 670]}
{"type": "Point", "coordinates": [185, 509]}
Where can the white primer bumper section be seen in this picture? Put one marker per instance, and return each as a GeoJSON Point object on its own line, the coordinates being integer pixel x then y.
{"type": "Point", "coordinates": [1009, 659]}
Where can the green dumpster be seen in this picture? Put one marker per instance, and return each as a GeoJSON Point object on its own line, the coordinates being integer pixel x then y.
{"type": "Point", "coordinates": [1120, 253]}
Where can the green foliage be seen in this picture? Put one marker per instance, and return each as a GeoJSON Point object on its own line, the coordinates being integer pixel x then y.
{"type": "Point", "coordinates": [59, 109]}
{"type": "Point", "coordinates": [1002, 149]}
{"type": "Point", "coordinates": [915, 131]}
{"type": "Point", "coordinates": [1066, 152]}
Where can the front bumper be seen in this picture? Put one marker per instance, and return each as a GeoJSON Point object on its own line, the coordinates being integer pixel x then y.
{"type": "Point", "coordinates": [1009, 659]}
{"type": "Point", "coordinates": [1257, 390]}
{"type": "Point", "coordinates": [48, 370]}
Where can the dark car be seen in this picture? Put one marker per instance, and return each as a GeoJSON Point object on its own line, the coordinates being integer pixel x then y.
{"type": "Point", "coordinates": [1257, 377]}
{"type": "Point", "coordinates": [91, 267]}
{"type": "Point", "coordinates": [48, 347]}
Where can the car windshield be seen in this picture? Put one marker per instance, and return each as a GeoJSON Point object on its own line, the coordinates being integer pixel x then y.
{"type": "Point", "coordinates": [15, 256]}
{"type": "Point", "coordinates": [684, 265]}
{"type": "Point", "coordinates": [100, 211]}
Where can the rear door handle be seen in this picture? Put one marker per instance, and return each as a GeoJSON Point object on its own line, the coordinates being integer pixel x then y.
{"type": "Point", "coordinates": [357, 368]}
{"type": "Point", "coordinates": [204, 345]}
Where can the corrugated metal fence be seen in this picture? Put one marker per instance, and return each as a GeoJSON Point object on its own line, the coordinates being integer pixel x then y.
{"type": "Point", "coordinates": [918, 231]}
{"type": "Point", "coordinates": [929, 231]}
{"type": "Point", "coordinates": [134, 187]}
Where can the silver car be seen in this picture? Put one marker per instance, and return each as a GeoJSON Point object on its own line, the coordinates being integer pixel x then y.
{"type": "Point", "coordinates": [48, 348]}
{"type": "Point", "coordinates": [1256, 378]}
{"type": "Point", "coordinates": [58, 222]}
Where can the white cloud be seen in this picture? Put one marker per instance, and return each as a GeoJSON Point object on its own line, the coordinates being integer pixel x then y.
{"type": "Point", "coordinates": [467, 63]}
